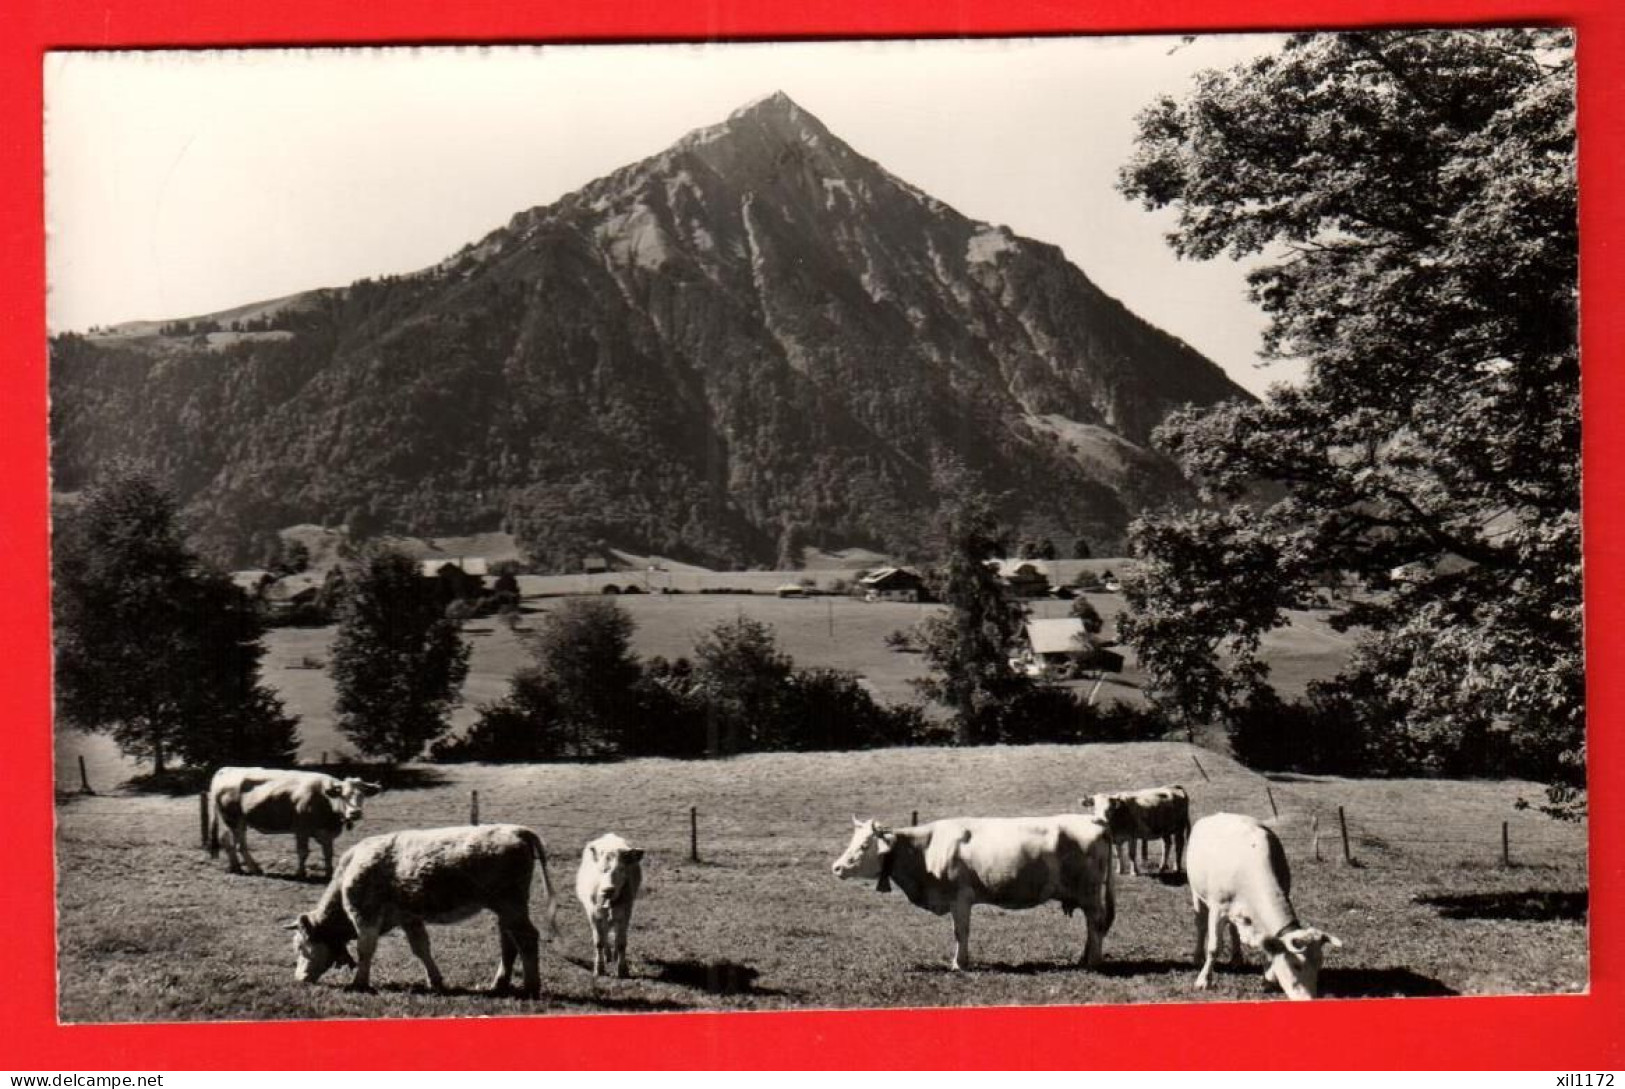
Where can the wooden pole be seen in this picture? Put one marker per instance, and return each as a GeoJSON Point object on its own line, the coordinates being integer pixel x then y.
{"type": "Point", "coordinates": [1342, 823]}
{"type": "Point", "coordinates": [203, 818]}
{"type": "Point", "coordinates": [914, 818]}
{"type": "Point", "coordinates": [693, 833]}
{"type": "Point", "coordinates": [1200, 768]}
{"type": "Point", "coordinates": [1506, 846]}
{"type": "Point", "coordinates": [473, 807]}
{"type": "Point", "coordinates": [84, 779]}
{"type": "Point", "coordinates": [324, 758]}
{"type": "Point", "coordinates": [1273, 811]}
{"type": "Point", "coordinates": [1314, 832]}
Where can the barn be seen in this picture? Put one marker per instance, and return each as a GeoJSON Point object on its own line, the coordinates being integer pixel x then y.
{"type": "Point", "coordinates": [1061, 648]}
{"type": "Point", "coordinates": [892, 584]}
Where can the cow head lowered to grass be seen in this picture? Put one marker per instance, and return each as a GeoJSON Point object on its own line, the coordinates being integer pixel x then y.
{"type": "Point", "coordinates": [315, 951]}
{"type": "Point", "coordinates": [1240, 882]}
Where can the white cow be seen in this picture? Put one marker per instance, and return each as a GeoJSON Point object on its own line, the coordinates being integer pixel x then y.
{"type": "Point", "coordinates": [1240, 881]}
{"type": "Point", "coordinates": [308, 804]}
{"type": "Point", "coordinates": [1138, 817]}
{"type": "Point", "coordinates": [607, 885]}
{"type": "Point", "coordinates": [1016, 862]}
{"type": "Point", "coordinates": [439, 875]}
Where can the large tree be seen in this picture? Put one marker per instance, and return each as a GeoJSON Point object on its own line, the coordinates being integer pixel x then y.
{"type": "Point", "coordinates": [969, 645]}
{"type": "Point", "coordinates": [584, 653]}
{"type": "Point", "coordinates": [1407, 199]}
{"type": "Point", "coordinates": [152, 645]}
{"type": "Point", "coordinates": [398, 661]}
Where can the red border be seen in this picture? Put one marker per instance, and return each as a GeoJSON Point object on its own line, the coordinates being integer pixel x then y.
{"type": "Point", "coordinates": [1576, 1033]}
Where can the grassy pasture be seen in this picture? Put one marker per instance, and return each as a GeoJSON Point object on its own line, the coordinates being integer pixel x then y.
{"type": "Point", "coordinates": [151, 929]}
{"type": "Point", "coordinates": [837, 632]}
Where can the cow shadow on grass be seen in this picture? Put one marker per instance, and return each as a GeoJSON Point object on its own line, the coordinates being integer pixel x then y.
{"type": "Point", "coordinates": [1061, 967]}
{"type": "Point", "coordinates": [314, 878]}
{"type": "Point", "coordinates": [1380, 983]}
{"type": "Point", "coordinates": [718, 977]}
{"type": "Point", "coordinates": [1529, 905]}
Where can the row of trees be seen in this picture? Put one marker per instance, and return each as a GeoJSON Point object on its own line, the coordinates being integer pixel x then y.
{"type": "Point", "coordinates": [586, 695]}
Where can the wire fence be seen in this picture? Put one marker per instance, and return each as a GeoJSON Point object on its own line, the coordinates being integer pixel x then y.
{"type": "Point", "coordinates": [1323, 832]}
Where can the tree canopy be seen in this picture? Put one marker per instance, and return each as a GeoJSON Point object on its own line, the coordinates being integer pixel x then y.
{"type": "Point", "coordinates": [398, 662]}
{"type": "Point", "coordinates": [1408, 200]}
{"type": "Point", "coordinates": [969, 645]}
{"type": "Point", "coordinates": [152, 645]}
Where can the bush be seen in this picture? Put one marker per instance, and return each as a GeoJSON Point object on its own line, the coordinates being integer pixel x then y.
{"type": "Point", "coordinates": [829, 709]}
{"type": "Point", "coordinates": [1319, 736]}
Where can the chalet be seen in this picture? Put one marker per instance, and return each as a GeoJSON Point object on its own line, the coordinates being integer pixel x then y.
{"type": "Point", "coordinates": [1061, 648]}
{"type": "Point", "coordinates": [468, 565]}
{"type": "Point", "coordinates": [892, 584]}
{"type": "Point", "coordinates": [1025, 578]}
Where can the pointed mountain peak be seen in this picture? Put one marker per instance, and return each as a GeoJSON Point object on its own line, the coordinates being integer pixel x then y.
{"type": "Point", "coordinates": [777, 104]}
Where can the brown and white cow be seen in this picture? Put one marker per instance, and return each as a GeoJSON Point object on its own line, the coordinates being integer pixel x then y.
{"type": "Point", "coordinates": [308, 804]}
{"type": "Point", "coordinates": [1240, 881]}
{"type": "Point", "coordinates": [410, 879]}
{"type": "Point", "coordinates": [607, 885]}
{"type": "Point", "coordinates": [1137, 817]}
{"type": "Point", "coordinates": [948, 866]}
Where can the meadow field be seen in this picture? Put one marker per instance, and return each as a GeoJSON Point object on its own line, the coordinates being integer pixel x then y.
{"type": "Point", "coordinates": [152, 929]}
{"type": "Point", "coordinates": [837, 632]}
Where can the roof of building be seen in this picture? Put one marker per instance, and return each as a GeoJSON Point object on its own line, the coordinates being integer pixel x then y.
{"type": "Point", "coordinates": [1057, 636]}
{"type": "Point", "coordinates": [471, 565]}
{"type": "Point", "coordinates": [886, 574]}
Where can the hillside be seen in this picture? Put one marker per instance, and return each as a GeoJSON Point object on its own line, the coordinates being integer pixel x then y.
{"type": "Point", "coordinates": [754, 341]}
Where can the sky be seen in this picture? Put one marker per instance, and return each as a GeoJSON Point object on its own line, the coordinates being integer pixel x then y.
{"type": "Point", "coordinates": [182, 183]}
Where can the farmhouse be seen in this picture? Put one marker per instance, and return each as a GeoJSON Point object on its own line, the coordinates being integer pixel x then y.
{"type": "Point", "coordinates": [1025, 578]}
{"type": "Point", "coordinates": [468, 565]}
{"type": "Point", "coordinates": [1062, 648]}
{"type": "Point", "coordinates": [892, 584]}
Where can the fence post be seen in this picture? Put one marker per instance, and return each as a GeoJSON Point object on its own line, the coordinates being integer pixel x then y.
{"type": "Point", "coordinates": [693, 833]}
{"type": "Point", "coordinates": [203, 818]}
{"type": "Point", "coordinates": [1314, 831]}
{"type": "Point", "coordinates": [1342, 823]}
{"type": "Point", "coordinates": [324, 758]}
{"type": "Point", "coordinates": [1273, 811]}
{"type": "Point", "coordinates": [914, 818]}
{"type": "Point", "coordinates": [84, 779]}
{"type": "Point", "coordinates": [1506, 846]}
{"type": "Point", "coordinates": [1200, 768]}
{"type": "Point", "coordinates": [473, 807]}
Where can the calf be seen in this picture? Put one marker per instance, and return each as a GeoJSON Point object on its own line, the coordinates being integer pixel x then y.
{"type": "Point", "coordinates": [1137, 817]}
{"type": "Point", "coordinates": [607, 885]}
{"type": "Point", "coordinates": [1020, 862]}
{"type": "Point", "coordinates": [1240, 881]}
{"type": "Point", "coordinates": [409, 879]}
{"type": "Point", "coordinates": [308, 804]}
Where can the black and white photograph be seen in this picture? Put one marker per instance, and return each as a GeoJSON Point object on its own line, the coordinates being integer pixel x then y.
{"type": "Point", "coordinates": [588, 529]}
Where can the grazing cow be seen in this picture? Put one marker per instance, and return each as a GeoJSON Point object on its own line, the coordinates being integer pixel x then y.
{"type": "Point", "coordinates": [607, 885]}
{"type": "Point", "coordinates": [1137, 817]}
{"type": "Point", "coordinates": [1240, 881]}
{"type": "Point", "coordinates": [1019, 862]}
{"type": "Point", "coordinates": [309, 804]}
{"type": "Point", "coordinates": [409, 879]}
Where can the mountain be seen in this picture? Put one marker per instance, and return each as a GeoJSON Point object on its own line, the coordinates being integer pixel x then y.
{"type": "Point", "coordinates": [755, 340]}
